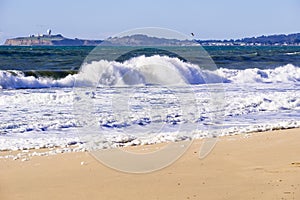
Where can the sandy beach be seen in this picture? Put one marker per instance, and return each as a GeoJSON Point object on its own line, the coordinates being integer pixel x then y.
{"type": "Point", "coordinates": [254, 166]}
{"type": "Point", "coordinates": [160, 100]}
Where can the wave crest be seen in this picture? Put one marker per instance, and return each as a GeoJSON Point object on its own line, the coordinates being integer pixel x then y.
{"type": "Point", "coordinates": [162, 70]}
{"type": "Point", "coordinates": [283, 74]}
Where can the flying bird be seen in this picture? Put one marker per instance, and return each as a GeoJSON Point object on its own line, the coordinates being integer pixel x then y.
{"type": "Point", "coordinates": [192, 34]}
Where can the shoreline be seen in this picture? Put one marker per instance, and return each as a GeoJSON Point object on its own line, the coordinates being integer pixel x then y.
{"type": "Point", "coordinates": [26, 154]}
{"type": "Point", "coordinates": [262, 165]}
{"type": "Point", "coordinates": [49, 39]}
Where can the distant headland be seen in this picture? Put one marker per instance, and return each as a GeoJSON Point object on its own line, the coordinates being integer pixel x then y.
{"type": "Point", "coordinates": [144, 40]}
{"type": "Point", "coordinates": [49, 40]}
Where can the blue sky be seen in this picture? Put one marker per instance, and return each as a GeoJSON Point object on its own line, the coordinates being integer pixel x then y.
{"type": "Point", "coordinates": [210, 19]}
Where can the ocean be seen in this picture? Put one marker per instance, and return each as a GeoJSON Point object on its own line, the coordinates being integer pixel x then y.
{"type": "Point", "coordinates": [61, 96]}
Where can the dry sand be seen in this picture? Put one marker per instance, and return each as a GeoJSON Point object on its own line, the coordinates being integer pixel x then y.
{"type": "Point", "coordinates": [260, 166]}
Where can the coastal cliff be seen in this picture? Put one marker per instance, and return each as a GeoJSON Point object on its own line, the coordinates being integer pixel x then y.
{"type": "Point", "coordinates": [50, 40]}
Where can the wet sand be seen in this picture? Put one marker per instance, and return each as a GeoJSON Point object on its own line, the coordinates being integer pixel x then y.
{"type": "Point", "coordinates": [256, 166]}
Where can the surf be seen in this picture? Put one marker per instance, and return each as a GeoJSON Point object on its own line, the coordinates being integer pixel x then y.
{"type": "Point", "coordinates": [142, 70]}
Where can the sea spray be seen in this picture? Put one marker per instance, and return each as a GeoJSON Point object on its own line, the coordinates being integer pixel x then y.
{"type": "Point", "coordinates": [149, 70]}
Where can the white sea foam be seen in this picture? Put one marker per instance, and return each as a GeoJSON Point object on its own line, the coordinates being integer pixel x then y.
{"type": "Point", "coordinates": [284, 74]}
{"type": "Point", "coordinates": [35, 118]}
{"type": "Point", "coordinates": [293, 53]}
{"type": "Point", "coordinates": [44, 118]}
{"type": "Point", "coordinates": [150, 70]}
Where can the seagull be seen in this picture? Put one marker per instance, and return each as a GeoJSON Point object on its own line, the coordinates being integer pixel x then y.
{"type": "Point", "coordinates": [192, 34]}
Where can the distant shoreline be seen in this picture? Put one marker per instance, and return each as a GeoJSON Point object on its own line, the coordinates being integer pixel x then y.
{"type": "Point", "coordinates": [49, 40]}
{"type": "Point", "coordinates": [144, 40]}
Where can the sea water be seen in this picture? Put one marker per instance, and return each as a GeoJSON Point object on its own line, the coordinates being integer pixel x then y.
{"type": "Point", "coordinates": [45, 101]}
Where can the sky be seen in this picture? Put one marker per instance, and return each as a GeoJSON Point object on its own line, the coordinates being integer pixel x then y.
{"type": "Point", "coordinates": [96, 19]}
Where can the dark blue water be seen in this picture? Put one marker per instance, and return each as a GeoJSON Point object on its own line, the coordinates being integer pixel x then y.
{"type": "Point", "coordinates": [261, 57]}
{"type": "Point", "coordinates": [60, 61]}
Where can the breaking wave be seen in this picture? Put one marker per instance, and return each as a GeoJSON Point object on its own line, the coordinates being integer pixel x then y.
{"type": "Point", "coordinates": [146, 71]}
